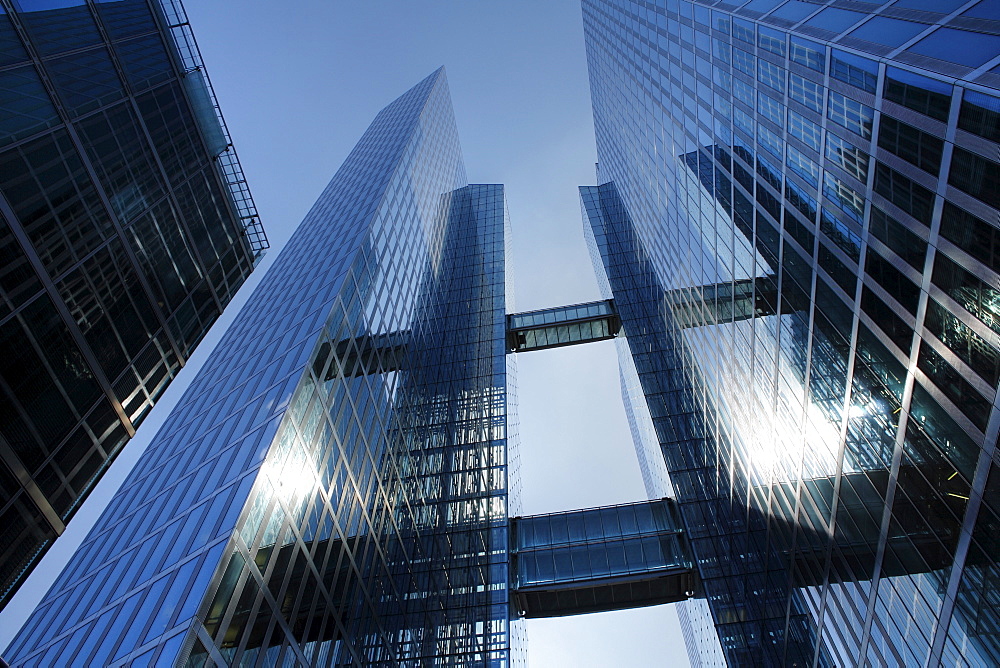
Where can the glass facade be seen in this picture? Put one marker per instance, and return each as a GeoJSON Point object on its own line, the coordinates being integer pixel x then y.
{"type": "Point", "coordinates": [334, 487]}
{"type": "Point", "coordinates": [833, 456]}
{"type": "Point", "coordinates": [125, 229]}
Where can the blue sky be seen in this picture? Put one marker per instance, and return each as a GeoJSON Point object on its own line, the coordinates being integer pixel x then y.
{"type": "Point", "coordinates": [298, 86]}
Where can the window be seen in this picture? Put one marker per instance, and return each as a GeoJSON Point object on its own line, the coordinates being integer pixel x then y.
{"type": "Point", "coordinates": [770, 109]}
{"type": "Point", "coordinates": [803, 166]}
{"type": "Point", "coordinates": [893, 280]}
{"type": "Point", "coordinates": [980, 115]}
{"type": "Point", "coordinates": [771, 75]}
{"type": "Point", "coordinates": [743, 61]}
{"type": "Point", "coordinates": [888, 32]}
{"type": "Point", "coordinates": [976, 296]}
{"type": "Point", "coordinates": [771, 40]}
{"type": "Point", "coordinates": [853, 115]}
{"type": "Point", "coordinates": [898, 238]}
{"type": "Point", "coordinates": [977, 48]}
{"type": "Point", "coordinates": [847, 156]}
{"type": "Point", "coordinates": [915, 146]}
{"type": "Point", "coordinates": [804, 130]}
{"type": "Point", "coordinates": [976, 237]}
{"type": "Point", "coordinates": [850, 202]}
{"type": "Point", "coordinates": [806, 92]}
{"type": "Point", "coordinates": [975, 175]}
{"type": "Point", "coordinates": [769, 141]}
{"type": "Point", "coordinates": [912, 198]}
{"type": "Point", "coordinates": [927, 96]}
{"type": "Point", "coordinates": [855, 70]}
{"type": "Point", "coordinates": [807, 53]}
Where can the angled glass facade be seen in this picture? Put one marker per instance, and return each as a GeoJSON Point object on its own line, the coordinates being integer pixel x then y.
{"type": "Point", "coordinates": [125, 228]}
{"type": "Point", "coordinates": [334, 487]}
{"type": "Point", "coordinates": [832, 451]}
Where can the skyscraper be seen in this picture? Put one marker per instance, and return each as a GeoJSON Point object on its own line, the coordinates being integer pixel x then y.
{"type": "Point", "coordinates": [333, 487]}
{"type": "Point", "coordinates": [125, 228]}
{"type": "Point", "coordinates": [796, 219]}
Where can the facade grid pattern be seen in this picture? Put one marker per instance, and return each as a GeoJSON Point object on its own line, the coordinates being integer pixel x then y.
{"type": "Point", "coordinates": [120, 244]}
{"type": "Point", "coordinates": [846, 438]}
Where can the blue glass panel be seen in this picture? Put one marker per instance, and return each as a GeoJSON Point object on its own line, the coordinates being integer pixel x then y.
{"type": "Point", "coordinates": [762, 6]}
{"type": "Point", "coordinates": [855, 70]}
{"type": "Point", "coordinates": [941, 6]}
{"type": "Point", "coordinates": [805, 52]}
{"type": "Point", "coordinates": [987, 9]}
{"type": "Point", "coordinates": [795, 10]}
{"type": "Point", "coordinates": [887, 31]}
{"type": "Point", "coordinates": [943, 44]}
{"type": "Point", "coordinates": [835, 20]}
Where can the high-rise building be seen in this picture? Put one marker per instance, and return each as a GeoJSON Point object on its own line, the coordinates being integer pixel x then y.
{"type": "Point", "coordinates": [797, 220]}
{"type": "Point", "coordinates": [125, 228]}
{"type": "Point", "coordinates": [333, 486]}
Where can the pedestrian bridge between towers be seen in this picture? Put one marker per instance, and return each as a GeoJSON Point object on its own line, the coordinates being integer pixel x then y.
{"type": "Point", "coordinates": [601, 559]}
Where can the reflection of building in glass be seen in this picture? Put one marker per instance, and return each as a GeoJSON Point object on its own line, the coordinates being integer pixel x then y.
{"type": "Point", "coordinates": [125, 228]}
{"type": "Point", "coordinates": [828, 433]}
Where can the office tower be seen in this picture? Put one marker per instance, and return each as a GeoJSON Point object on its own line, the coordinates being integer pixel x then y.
{"type": "Point", "coordinates": [333, 486]}
{"type": "Point", "coordinates": [797, 220]}
{"type": "Point", "coordinates": [126, 228]}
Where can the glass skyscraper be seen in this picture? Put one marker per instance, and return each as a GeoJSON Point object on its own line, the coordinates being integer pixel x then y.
{"type": "Point", "coordinates": [334, 486]}
{"type": "Point", "coordinates": [125, 228]}
{"type": "Point", "coordinates": [797, 219]}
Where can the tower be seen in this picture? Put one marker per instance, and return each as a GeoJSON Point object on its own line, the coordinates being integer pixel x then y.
{"type": "Point", "coordinates": [794, 221]}
{"type": "Point", "coordinates": [126, 227]}
{"type": "Point", "coordinates": [333, 487]}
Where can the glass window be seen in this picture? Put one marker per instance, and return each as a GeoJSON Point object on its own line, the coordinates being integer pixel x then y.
{"type": "Point", "coordinates": [855, 70]}
{"type": "Point", "coordinates": [889, 32]}
{"type": "Point", "coordinates": [850, 201]}
{"type": "Point", "coordinates": [771, 75]}
{"type": "Point", "coordinates": [901, 288]}
{"type": "Point", "coordinates": [794, 11]}
{"type": "Point", "coordinates": [805, 92]}
{"type": "Point", "coordinates": [835, 20]}
{"type": "Point", "coordinates": [744, 30]}
{"type": "Point", "coordinates": [886, 319]}
{"type": "Point", "coordinates": [980, 114]}
{"type": "Point", "coordinates": [911, 197]}
{"type": "Point", "coordinates": [769, 141]}
{"type": "Point", "coordinates": [744, 62]}
{"type": "Point", "coordinates": [851, 114]}
{"type": "Point", "coordinates": [915, 146]}
{"type": "Point", "coordinates": [954, 386]}
{"type": "Point", "coordinates": [942, 6]}
{"type": "Point", "coordinates": [897, 237]}
{"type": "Point", "coordinates": [807, 53]}
{"type": "Point", "coordinates": [975, 175]}
{"type": "Point", "coordinates": [928, 96]}
{"type": "Point", "coordinates": [847, 156]}
{"type": "Point", "coordinates": [25, 107]}
{"type": "Point", "coordinates": [771, 40]}
{"type": "Point", "coordinates": [803, 166]}
{"type": "Point", "coordinates": [964, 342]}
{"type": "Point", "coordinates": [762, 6]}
{"type": "Point", "coordinates": [770, 109]}
{"type": "Point", "coordinates": [804, 130]}
{"type": "Point", "coordinates": [977, 48]}
{"type": "Point", "coordinates": [987, 9]}
{"type": "Point", "coordinates": [976, 237]}
{"type": "Point", "coordinates": [977, 297]}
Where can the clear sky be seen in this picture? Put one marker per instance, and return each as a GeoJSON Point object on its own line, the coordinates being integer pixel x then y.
{"type": "Point", "coordinates": [298, 84]}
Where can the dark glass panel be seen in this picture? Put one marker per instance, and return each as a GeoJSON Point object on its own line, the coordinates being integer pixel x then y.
{"type": "Point", "coordinates": [976, 237]}
{"type": "Point", "coordinates": [25, 107]}
{"type": "Point", "coordinates": [57, 26]}
{"type": "Point", "coordinates": [911, 197]}
{"type": "Point", "coordinates": [145, 61]}
{"type": "Point", "coordinates": [18, 280]}
{"type": "Point", "coordinates": [915, 146]}
{"type": "Point", "coordinates": [106, 299]}
{"type": "Point", "coordinates": [122, 18]}
{"type": "Point", "coordinates": [122, 159]}
{"type": "Point", "coordinates": [978, 297]}
{"type": "Point", "coordinates": [893, 280]}
{"type": "Point", "coordinates": [11, 49]}
{"type": "Point", "coordinates": [954, 386]}
{"type": "Point", "coordinates": [855, 70]}
{"type": "Point", "coordinates": [975, 175]}
{"type": "Point", "coordinates": [928, 96]}
{"type": "Point", "coordinates": [980, 114]}
{"type": "Point", "coordinates": [964, 342]}
{"type": "Point", "coordinates": [85, 80]}
{"type": "Point", "coordinates": [898, 331]}
{"type": "Point", "coordinates": [55, 200]}
{"type": "Point", "coordinates": [902, 241]}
